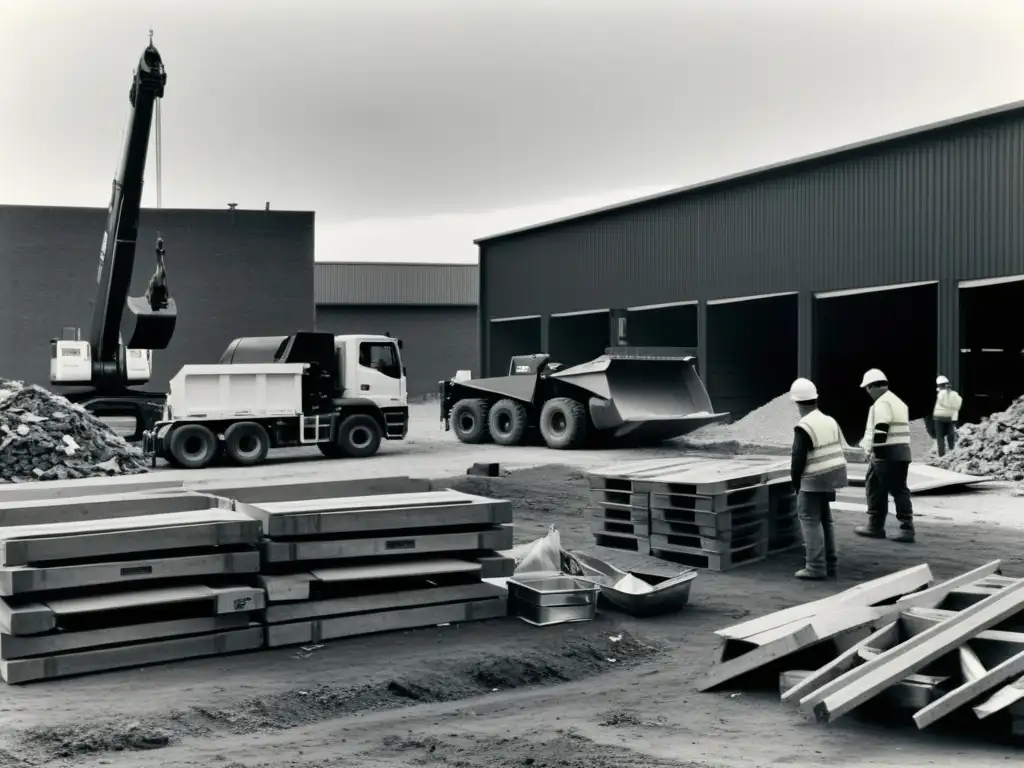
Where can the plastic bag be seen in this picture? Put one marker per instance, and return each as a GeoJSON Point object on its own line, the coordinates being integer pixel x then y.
{"type": "Point", "coordinates": [542, 556]}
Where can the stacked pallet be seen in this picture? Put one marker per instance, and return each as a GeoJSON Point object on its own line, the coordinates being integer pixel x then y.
{"type": "Point", "coordinates": [901, 641]}
{"type": "Point", "coordinates": [783, 524]}
{"type": "Point", "coordinates": [94, 593]}
{"type": "Point", "coordinates": [699, 511]}
{"type": "Point", "coordinates": [343, 567]}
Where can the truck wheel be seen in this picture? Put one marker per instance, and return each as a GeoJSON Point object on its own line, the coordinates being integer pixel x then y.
{"type": "Point", "coordinates": [507, 422]}
{"type": "Point", "coordinates": [359, 436]}
{"type": "Point", "coordinates": [192, 446]}
{"type": "Point", "coordinates": [246, 443]}
{"type": "Point", "coordinates": [330, 450]}
{"type": "Point", "coordinates": [563, 423]}
{"type": "Point", "coordinates": [469, 421]}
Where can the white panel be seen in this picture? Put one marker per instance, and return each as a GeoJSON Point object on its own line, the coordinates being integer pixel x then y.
{"type": "Point", "coordinates": [581, 312]}
{"type": "Point", "coordinates": [751, 298]}
{"type": "Point", "coordinates": [667, 305]}
{"type": "Point", "coordinates": [871, 289]}
{"type": "Point", "coordinates": [990, 281]}
{"type": "Point", "coordinates": [514, 319]}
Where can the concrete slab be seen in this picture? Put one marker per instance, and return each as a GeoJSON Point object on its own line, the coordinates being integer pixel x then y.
{"type": "Point", "coordinates": [922, 478]}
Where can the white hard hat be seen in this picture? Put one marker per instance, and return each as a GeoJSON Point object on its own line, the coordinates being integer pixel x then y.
{"type": "Point", "coordinates": [941, 380]}
{"type": "Point", "coordinates": [803, 390]}
{"type": "Point", "coordinates": [874, 376]}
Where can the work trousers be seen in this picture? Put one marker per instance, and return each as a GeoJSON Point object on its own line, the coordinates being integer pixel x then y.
{"type": "Point", "coordinates": [815, 514]}
{"type": "Point", "coordinates": [885, 479]}
{"type": "Point", "coordinates": [945, 435]}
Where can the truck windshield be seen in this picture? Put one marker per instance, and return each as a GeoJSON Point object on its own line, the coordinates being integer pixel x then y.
{"type": "Point", "coordinates": [381, 356]}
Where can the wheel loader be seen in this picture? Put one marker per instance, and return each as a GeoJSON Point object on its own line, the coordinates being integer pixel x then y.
{"type": "Point", "coordinates": [629, 395]}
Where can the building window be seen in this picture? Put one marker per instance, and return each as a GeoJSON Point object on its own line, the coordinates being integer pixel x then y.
{"type": "Point", "coordinates": [382, 357]}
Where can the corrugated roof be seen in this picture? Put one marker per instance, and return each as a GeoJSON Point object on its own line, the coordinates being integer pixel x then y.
{"type": "Point", "coordinates": [368, 283]}
{"type": "Point", "coordinates": [792, 164]}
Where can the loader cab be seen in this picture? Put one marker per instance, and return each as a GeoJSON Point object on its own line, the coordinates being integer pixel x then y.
{"type": "Point", "coordinates": [371, 368]}
{"type": "Point", "coordinates": [531, 365]}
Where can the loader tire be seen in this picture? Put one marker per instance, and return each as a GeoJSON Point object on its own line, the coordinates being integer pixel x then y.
{"type": "Point", "coordinates": [193, 446]}
{"type": "Point", "coordinates": [506, 422]}
{"type": "Point", "coordinates": [469, 421]}
{"type": "Point", "coordinates": [563, 423]}
{"type": "Point", "coordinates": [246, 443]}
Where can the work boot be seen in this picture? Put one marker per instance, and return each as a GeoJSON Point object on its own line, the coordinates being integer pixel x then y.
{"type": "Point", "coordinates": [869, 531]}
{"type": "Point", "coordinates": [804, 575]}
{"type": "Point", "coordinates": [904, 536]}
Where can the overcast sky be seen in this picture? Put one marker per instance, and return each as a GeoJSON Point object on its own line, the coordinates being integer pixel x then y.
{"type": "Point", "coordinates": [413, 126]}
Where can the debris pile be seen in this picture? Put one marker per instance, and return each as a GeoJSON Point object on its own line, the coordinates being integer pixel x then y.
{"type": "Point", "coordinates": [44, 436]}
{"type": "Point", "coordinates": [994, 448]}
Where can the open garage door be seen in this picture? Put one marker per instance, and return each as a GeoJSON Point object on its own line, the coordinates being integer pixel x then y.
{"type": "Point", "coordinates": [894, 328]}
{"type": "Point", "coordinates": [991, 345]}
{"type": "Point", "coordinates": [510, 336]}
{"type": "Point", "coordinates": [576, 337]}
{"type": "Point", "coordinates": [752, 350]}
{"type": "Point", "coordinates": [662, 325]}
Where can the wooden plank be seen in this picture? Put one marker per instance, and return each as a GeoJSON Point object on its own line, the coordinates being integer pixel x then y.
{"type": "Point", "coordinates": [867, 593]}
{"type": "Point", "coordinates": [497, 537]}
{"type": "Point", "coordinates": [1007, 696]}
{"type": "Point", "coordinates": [280, 489]}
{"type": "Point", "coordinates": [67, 489]}
{"type": "Point", "coordinates": [976, 685]}
{"type": "Point", "coordinates": [99, 506]}
{"type": "Point", "coordinates": [235, 599]}
{"type": "Point", "coordinates": [26, 618]}
{"type": "Point", "coordinates": [315, 631]}
{"type": "Point", "coordinates": [971, 667]}
{"type": "Point", "coordinates": [12, 647]}
{"type": "Point", "coordinates": [912, 693]}
{"type": "Point", "coordinates": [409, 598]}
{"type": "Point", "coordinates": [933, 596]}
{"type": "Point", "coordinates": [402, 569]}
{"type": "Point", "coordinates": [394, 512]}
{"type": "Point", "coordinates": [56, 542]}
{"type": "Point", "coordinates": [49, 667]}
{"type": "Point", "coordinates": [24, 579]}
{"type": "Point", "coordinates": [882, 639]}
{"type": "Point", "coordinates": [861, 683]}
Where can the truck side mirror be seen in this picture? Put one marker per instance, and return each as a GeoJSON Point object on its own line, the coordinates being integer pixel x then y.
{"type": "Point", "coordinates": [405, 371]}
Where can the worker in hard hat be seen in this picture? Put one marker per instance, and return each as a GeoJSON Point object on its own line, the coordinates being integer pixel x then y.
{"type": "Point", "coordinates": [887, 442]}
{"type": "Point", "coordinates": [945, 414]}
{"type": "Point", "coordinates": [818, 470]}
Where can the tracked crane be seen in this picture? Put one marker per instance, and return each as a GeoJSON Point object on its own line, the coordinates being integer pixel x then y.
{"type": "Point", "coordinates": [125, 330]}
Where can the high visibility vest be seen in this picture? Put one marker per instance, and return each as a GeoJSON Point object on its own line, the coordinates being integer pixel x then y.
{"type": "Point", "coordinates": [889, 409]}
{"type": "Point", "coordinates": [947, 405]}
{"type": "Point", "coordinates": [826, 464]}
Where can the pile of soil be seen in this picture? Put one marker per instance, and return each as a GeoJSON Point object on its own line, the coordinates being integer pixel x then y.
{"type": "Point", "coordinates": [44, 436]}
{"type": "Point", "coordinates": [994, 448]}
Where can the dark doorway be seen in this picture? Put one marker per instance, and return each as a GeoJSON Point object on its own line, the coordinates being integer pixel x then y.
{"type": "Point", "coordinates": [578, 337]}
{"type": "Point", "coordinates": [514, 336]}
{"type": "Point", "coordinates": [991, 346]}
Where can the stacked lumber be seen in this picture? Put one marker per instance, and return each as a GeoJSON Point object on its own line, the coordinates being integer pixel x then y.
{"type": "Point", "coordinates": [94, 593]}
{"type": "Point", "coordinates": [902, 641]}
{"type": "Point", "coordinates": [349, 566]}
{"type": "Point", "coordinates": [702, 512]}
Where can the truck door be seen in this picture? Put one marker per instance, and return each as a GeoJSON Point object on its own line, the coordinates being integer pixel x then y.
{"type": "Point", "coordinates": [380, 374]}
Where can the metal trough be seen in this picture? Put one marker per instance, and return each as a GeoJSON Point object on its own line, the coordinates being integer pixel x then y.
{"type": "Point", "coordinates": [670, 593]}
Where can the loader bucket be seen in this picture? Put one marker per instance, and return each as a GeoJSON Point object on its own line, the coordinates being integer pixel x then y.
{"type": "Point", "coordinates": [644, 400]}
{"type": "Point", "coordinates": [143, 327]}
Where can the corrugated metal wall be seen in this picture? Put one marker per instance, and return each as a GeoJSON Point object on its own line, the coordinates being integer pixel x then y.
{"type": "Point", "coordinates": [396, 284]}
{"type": "Point", "coordinates": [436, 341]}
{"type": "Point", "coordinates": [241, 273]}
{"type": "Point", "coordinates": [944, 205]}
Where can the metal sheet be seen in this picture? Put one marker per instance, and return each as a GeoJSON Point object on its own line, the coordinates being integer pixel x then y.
{"type": "Point", "coordinates": [921, 478]}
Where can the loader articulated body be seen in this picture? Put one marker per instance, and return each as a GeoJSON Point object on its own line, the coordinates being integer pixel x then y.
{"type": "Point", "coordinates": [631, 395]}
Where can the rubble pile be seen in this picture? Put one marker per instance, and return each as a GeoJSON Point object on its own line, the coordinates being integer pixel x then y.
{"type": "Point", "coordinates": [44, 436]}
{"type": "Point", "coordinates": [994, 448]}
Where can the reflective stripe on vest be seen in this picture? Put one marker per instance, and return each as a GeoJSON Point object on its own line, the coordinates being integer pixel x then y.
{"type": "Point", "coordinates": [889, 409]}
{"type": "Point", "coordinates": [826, 463]}
{"type": "Point", "coordinates": [947, 405]}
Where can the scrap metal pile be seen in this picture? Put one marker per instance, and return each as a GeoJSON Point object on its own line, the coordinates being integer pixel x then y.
{"type": "Point", "coordinates": [993, 448]}
{"type": "Point", "coordinates": [44, 436]}
{"type": "Point", "coordinates": [901, 641]}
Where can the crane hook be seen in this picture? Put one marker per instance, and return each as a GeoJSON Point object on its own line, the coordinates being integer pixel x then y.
{"type": "Point", "coordinates": [151, 37]}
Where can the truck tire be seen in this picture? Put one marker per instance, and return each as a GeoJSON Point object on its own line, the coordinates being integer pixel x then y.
{"type": "Point", "coordinates": [469, 421]}
{"type": "Point", "coordinates": [359, 436]}
{"type": "Point", "coordinates": [246, 443]}
{"type": "Point", "coordinates": [507, 422]}
{"type": "Point", "coordinates": [563, 423]}
{"type": "Point", "coordinates": [193, 446]}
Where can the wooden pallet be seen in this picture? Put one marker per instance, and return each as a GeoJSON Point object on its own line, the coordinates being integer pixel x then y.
{"type": "Point", "coordinates": [713, 524]}
{"type": "Point", "coordinates": [723, 502]}
{"type": "Point", "coordinates": [621, 512]}
{"type": "Point", "coordinates": [621, 477]}
{"type": "Point", "coordinates": [663, 547]}
{"type": "Point", "coordinates": [709, 537]}
{"type": "Point", "coordinates": [613, 498]}
{"type": "Point", "coordinates": [626, 542]}
{"type": "Point", "coordinates": [620, 528]}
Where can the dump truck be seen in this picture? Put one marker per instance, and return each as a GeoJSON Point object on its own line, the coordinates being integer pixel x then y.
{"type": "Point", "coordinates": [634, 395]}
{"type": "Point", "coordinates": [343, 394]}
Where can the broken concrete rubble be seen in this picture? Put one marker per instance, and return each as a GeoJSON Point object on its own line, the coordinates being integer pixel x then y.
{"type": "Point", "coordinates": [994, 448]}
{"type": "Point", "coordinates": [44, 436]}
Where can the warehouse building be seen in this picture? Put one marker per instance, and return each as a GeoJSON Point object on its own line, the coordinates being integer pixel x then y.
{"type": "Point", "coordinates": [904, 253]}
{"type": "Point", "coordinates": [430, 307]}
{"type": "Point", "coordinates": [232, 273]}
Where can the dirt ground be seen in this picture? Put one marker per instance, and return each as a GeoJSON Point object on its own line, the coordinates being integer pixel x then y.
{"type": "Point", "coordinates": [613, 693]}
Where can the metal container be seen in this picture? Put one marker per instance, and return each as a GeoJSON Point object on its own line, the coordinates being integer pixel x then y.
{"type": "Point", "coordinates": [670, 593]}
{"type": "Point", "coordinates": [553, 599]}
